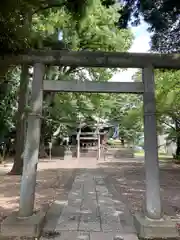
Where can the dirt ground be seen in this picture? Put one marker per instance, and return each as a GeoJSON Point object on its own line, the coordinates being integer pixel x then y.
{"type": "Point", "coordinates": [129, 180]}
{"type": "Point", "coordinates": [50, 175]}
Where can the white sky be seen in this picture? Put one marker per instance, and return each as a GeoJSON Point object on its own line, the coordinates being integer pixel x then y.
{"type": "Point", "coordinates": [141, 45]}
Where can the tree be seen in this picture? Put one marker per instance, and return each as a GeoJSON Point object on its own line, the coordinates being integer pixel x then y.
{"type": "Point", "coordinates": [8, 106]}
{"type": "Point", "coordinates": [97, 32]}
{"type": "Point", "coordinates": [125, 112]}
{"type": "Point", "coordinates": [168, 104]}
{"type": "Point", "coordinates": [15, 35]}
{"type": "Point", "coordinates": [162, 17]}
{"type": "Point", "coordinates": [167, 41]}
{"type": "Point", "coordinates": [159, 14]}
{"type": "Point", "coordinates": [16, 18]}
{"type": "Point", "coordinates": [21, 119]}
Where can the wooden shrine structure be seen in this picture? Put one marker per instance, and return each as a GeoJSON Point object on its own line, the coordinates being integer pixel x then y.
{"type": "Point", "coordinates": [92, 135]}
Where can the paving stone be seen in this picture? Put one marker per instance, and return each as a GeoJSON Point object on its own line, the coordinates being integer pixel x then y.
{"type": "Point", "coordinates": [90, 196]}
{"type": "Point", "coordinates": [67, 225]}
{"type": "Point", "coordinates": [89, 222]}
{"type": "Point", "coordinates": [101, 189]}
{"type": "Point", "coordinates": [104, 200]}
{"type": "Point", "coordinates": [69, 219]}
{"type": "Point", "coordinates": [105, 236]}
{"type": "Point", "coordinates": [69, 209]}
{"type": "Point", "coordinates": [89, 217]}
{"type": "Point", "coordinates": [90, 226]}
{"type": "Point", "coordinates": [111, 227]}
{"type": "Point", "coordinates": [75, 194]}
{"type": "Point", "coordinates": [91, 209]}
{"type": "Point", "coordinates": [83, 236]}
{"type": "Point", "coordinates": [128, 230]}
{"type": "Point", "coordinates": [67, 236]}
{"type": "Point", "coordinates": [73, 236]}
{"type": "Point", "coordinates": [108, 212]}
{"type": "Point", "coordinates": [130, 236]}
{"type": "Point", "coordinates": [76, 204]}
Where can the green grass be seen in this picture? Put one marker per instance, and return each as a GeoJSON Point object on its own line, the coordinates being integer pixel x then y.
{"type": "Point", "coordinates": [139, 154]}
{"type": "Point", "coordinates": [162, 156]}
{"type": "Point", "coordinates": [114, 142]}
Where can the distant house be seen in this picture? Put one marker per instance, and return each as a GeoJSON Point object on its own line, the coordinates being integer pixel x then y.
{"type": "Point", "coordinates": [165, 146]}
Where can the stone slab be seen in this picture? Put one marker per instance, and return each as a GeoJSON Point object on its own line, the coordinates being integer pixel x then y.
{"type": "Point", "coordinates": [101, 236]}
{"type": "Point", "coordinates": [110, 227]}
{"type": "Point", "coordinates": [31, 226]}
{"type": "Point", "coordinates": [112, 236]}
{"type": "Point", "coordinates": [147, 228]}
{"type": "Point", "coordinates": [53, 214]}
{"type": "Point", "coordinates": [92, 209]}
{"type": "Point", "coordinates": [90, 226]}
{"type": "Point", "coordinates": [73, 236]}
{"type": "Point", "coordinates": [129, 236]}
{"type": "Point", "coordinates": [67, 225]}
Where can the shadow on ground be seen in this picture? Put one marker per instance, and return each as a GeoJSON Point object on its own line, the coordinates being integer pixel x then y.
{"type": "Point", "coordinates": [128, 178]}
{"type": "Point", "coordinates": [50, 183]}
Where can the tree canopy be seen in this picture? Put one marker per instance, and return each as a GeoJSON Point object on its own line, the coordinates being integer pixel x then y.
{"type": "Point", "coordinates": [162, 17]}
{"type": "Point", "coordinates": [97, 31]}
{"type": "Point", "coordinates": [167, 104]}
{"type": "Point", "coordinates": [89, 25]}
{"type": "Point", "coordinates": [16, 17]}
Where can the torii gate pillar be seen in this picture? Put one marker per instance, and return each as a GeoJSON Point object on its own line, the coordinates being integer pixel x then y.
{"type": "Point", "coordinates": [153, 223]}
{"type": "Point", "coordinates": [153, 200]}
{"type": "Point", "coordinates": [31, 152]}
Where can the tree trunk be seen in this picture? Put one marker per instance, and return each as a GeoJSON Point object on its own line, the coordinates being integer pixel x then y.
{"type": "Point", "coordinates": [42, 151]}
{"type": "Point", "coordinates": [177, 123]}
{"type": "Point", "coordinates": [3, 71]}
{"type": "Point", "coordinates": [178, 139]}
{"type": "Point", "coordinates": [122, 141]}
{"type": "Point", "coordinates": [178, 147]}
{"type": "Point", "coordinates": [21, 123]}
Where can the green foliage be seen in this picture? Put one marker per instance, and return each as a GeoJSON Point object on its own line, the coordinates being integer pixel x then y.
{"type": "Point", "coordinates": [159, 14]}
{"type": "Point", "coordinates": [167, 104]}
{"type": "Point", "coordinates": [125, 110]}
{"type": "Point", "coordinates": [167, 40]}
{"type": "Point", "coordinates": [162, 17]}
{"type": "Point", "coordinates": [8, 98]}
{"type": "Point", "coordinates": [97, 31]}
{"type": "Point", "coordinates": [15, 20]}
{"type": "Point", "coordinates": [168, 97]}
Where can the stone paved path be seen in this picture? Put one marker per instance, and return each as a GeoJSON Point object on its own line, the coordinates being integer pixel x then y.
{"type": "Point", "coordinates": [89, 212]}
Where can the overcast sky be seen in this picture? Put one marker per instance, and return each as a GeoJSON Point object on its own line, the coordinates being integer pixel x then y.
{"type": "Point", "coordinates": [141, 45]}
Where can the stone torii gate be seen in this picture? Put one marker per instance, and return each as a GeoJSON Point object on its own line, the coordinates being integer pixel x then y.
{"type": "Point", "coordinates": [153, 214]}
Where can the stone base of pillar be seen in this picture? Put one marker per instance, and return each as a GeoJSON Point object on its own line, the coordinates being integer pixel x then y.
{"type": "Point", "coordinates": [150, 229]}
{"type": "Point", "coordinates": [30, 227]}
